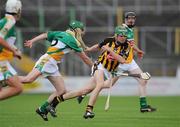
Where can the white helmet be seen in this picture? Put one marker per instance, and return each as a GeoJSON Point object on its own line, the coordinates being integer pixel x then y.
{"type": "Point", "coordinates": [13, 6]}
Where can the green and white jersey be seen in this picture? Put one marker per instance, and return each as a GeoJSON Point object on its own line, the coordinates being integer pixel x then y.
{"type": "Point", "coordinates": [7, 32]}
{"type": "Point", "coordinates": [62, 42]}
{"type": "Point", "coordinates": [130, 36]}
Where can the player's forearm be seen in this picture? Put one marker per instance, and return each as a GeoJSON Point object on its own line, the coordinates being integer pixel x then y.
{"type": "Point", "coordinates": [85, 59]}
{"type": "Point", "coordinates": [6, 45]}
{"type": "Point", "coordinates": [139, 51]}
{"type": "Point", "coordinates": [88, 61]}
{"type": "Point", "coordinates": [93, 48]}
{"type": "Point", "coordinates": [136, 48]}
{"type": "Point", "coordinates": [39, 37]}
{"type": "Point", "coordinates": [117, 57]}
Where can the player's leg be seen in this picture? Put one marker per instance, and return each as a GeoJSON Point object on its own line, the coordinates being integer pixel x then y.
{"type": "Point", "coordinates": [69, 95]}
{"type": "Point", "coordinates": [82, 91]}
{"type": "Point", "coordinates": [85, 90]}
{"type": "Point", "coordinates": [42, 110]}
{"type": "Point", "coordinates": [9, 76]}
{"type": "Point", "coordinates": [56, 97]}
{"type": "Point", "coordinates": [121, 68]}
{"type": "Point", "coordinates": [107, 82]}
{"type": "Point", "coordinates": [106, 85]}
{"type": "Point", "coordinates": [31, 76]}
{"type": "Point", "coordinates": [14, 88]}
{"type": "Point", "coordinates": [44, 66]}
{"type": "Point", "coordinates": [144, 107]}
{"type": "Point", "coordinates": [58, 84]}
{"type": "Point", "coordinates": [99, 78]}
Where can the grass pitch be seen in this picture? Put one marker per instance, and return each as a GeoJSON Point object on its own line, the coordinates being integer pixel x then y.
{"type": "Point", "coordinates": [124, 112]}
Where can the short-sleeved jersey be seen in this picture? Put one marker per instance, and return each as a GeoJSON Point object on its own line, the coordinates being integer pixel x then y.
{"type": "Point", "coordinates": [7, 32]}
{"type": "Point", "coordinates": [62, 42]}
{"type": "Point", "coordinates": [130, 37]}
{"type": "Point", "coordinates": [106, 59]}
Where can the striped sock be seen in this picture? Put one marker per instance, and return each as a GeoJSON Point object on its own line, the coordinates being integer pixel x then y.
{"type": "Point", "coordinates": [57, 100]}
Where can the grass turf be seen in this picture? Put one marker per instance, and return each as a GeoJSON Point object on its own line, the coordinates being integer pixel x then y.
{"type": "Point", "coordinates": [124, 112]}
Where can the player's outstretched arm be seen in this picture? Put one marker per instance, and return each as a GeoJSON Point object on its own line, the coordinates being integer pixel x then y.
{"type": "Point", "coordinates": [29, 43]}
{"type": "Point", "coordinates": [6, 45]}
{"type": "Point", "coordinates": [92, 48]}
{"type": "Point", "coordinates": [85, 58]}
{"type": "Point", "coordinates": [139, 51]}
{"type": "Point", "coordinates": [14, 50]}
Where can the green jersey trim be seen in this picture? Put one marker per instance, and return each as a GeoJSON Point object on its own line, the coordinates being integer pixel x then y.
{"type": "Point", "coordinates": [66, 38]}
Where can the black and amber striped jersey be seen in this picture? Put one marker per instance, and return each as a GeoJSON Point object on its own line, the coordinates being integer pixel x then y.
{"type": "Point", "coordinates": [106, 59]}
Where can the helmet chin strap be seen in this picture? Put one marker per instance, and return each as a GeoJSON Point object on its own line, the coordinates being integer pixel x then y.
{"type": "Point", "coordinates": [71, 27]}
{"type": "Point", "coordinates": [11, 13]}
{"type": "Point", "coordinates": [130, 26]}
{"type": "Point", "coordinates": [16, 15]}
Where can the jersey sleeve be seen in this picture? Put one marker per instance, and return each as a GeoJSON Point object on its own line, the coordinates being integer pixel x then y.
{"type": "Point", "coordinates": [130, 36]}
{"type": "Point", "coordinates": [51, 35]}
{"type": "Point", "coordinates": [9, 24]}
{"type": "Point", "coordinates": [72, 42]}
{"type": "Point", "coordinates": [75, 47]}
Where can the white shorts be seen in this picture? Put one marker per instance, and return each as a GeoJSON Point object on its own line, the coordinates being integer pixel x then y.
{"type": "Point", "coordinates": [6, 70]}
{"type": "Point", "coordinates": [107, 74]}
{"type": "Point", "coordinates": [47, 66]}
{"type": "Point", "coordinates": [127, 67]}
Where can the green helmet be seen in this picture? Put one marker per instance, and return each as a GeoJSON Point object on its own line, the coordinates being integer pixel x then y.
{"type": "Point", "coordinates": [121, 30]}
{"type": "Point", "coordinates": [76, 24]}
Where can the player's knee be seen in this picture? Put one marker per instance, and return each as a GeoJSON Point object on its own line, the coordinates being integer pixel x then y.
{"type": "Point", "coordinates": [99, 88]}
{"type": "Point", "coordinates": [107, 86]}
{"type": "Point", "coordinates": [143, 82]}
{"type": "Point", "coordinates": [64, 91]}
{"type": "Point", "coordinates": [86, 91]}
{"type": "Point", "coordinates": [100, 85]}
{"type": "Point", "coordinates": [61, 92]}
